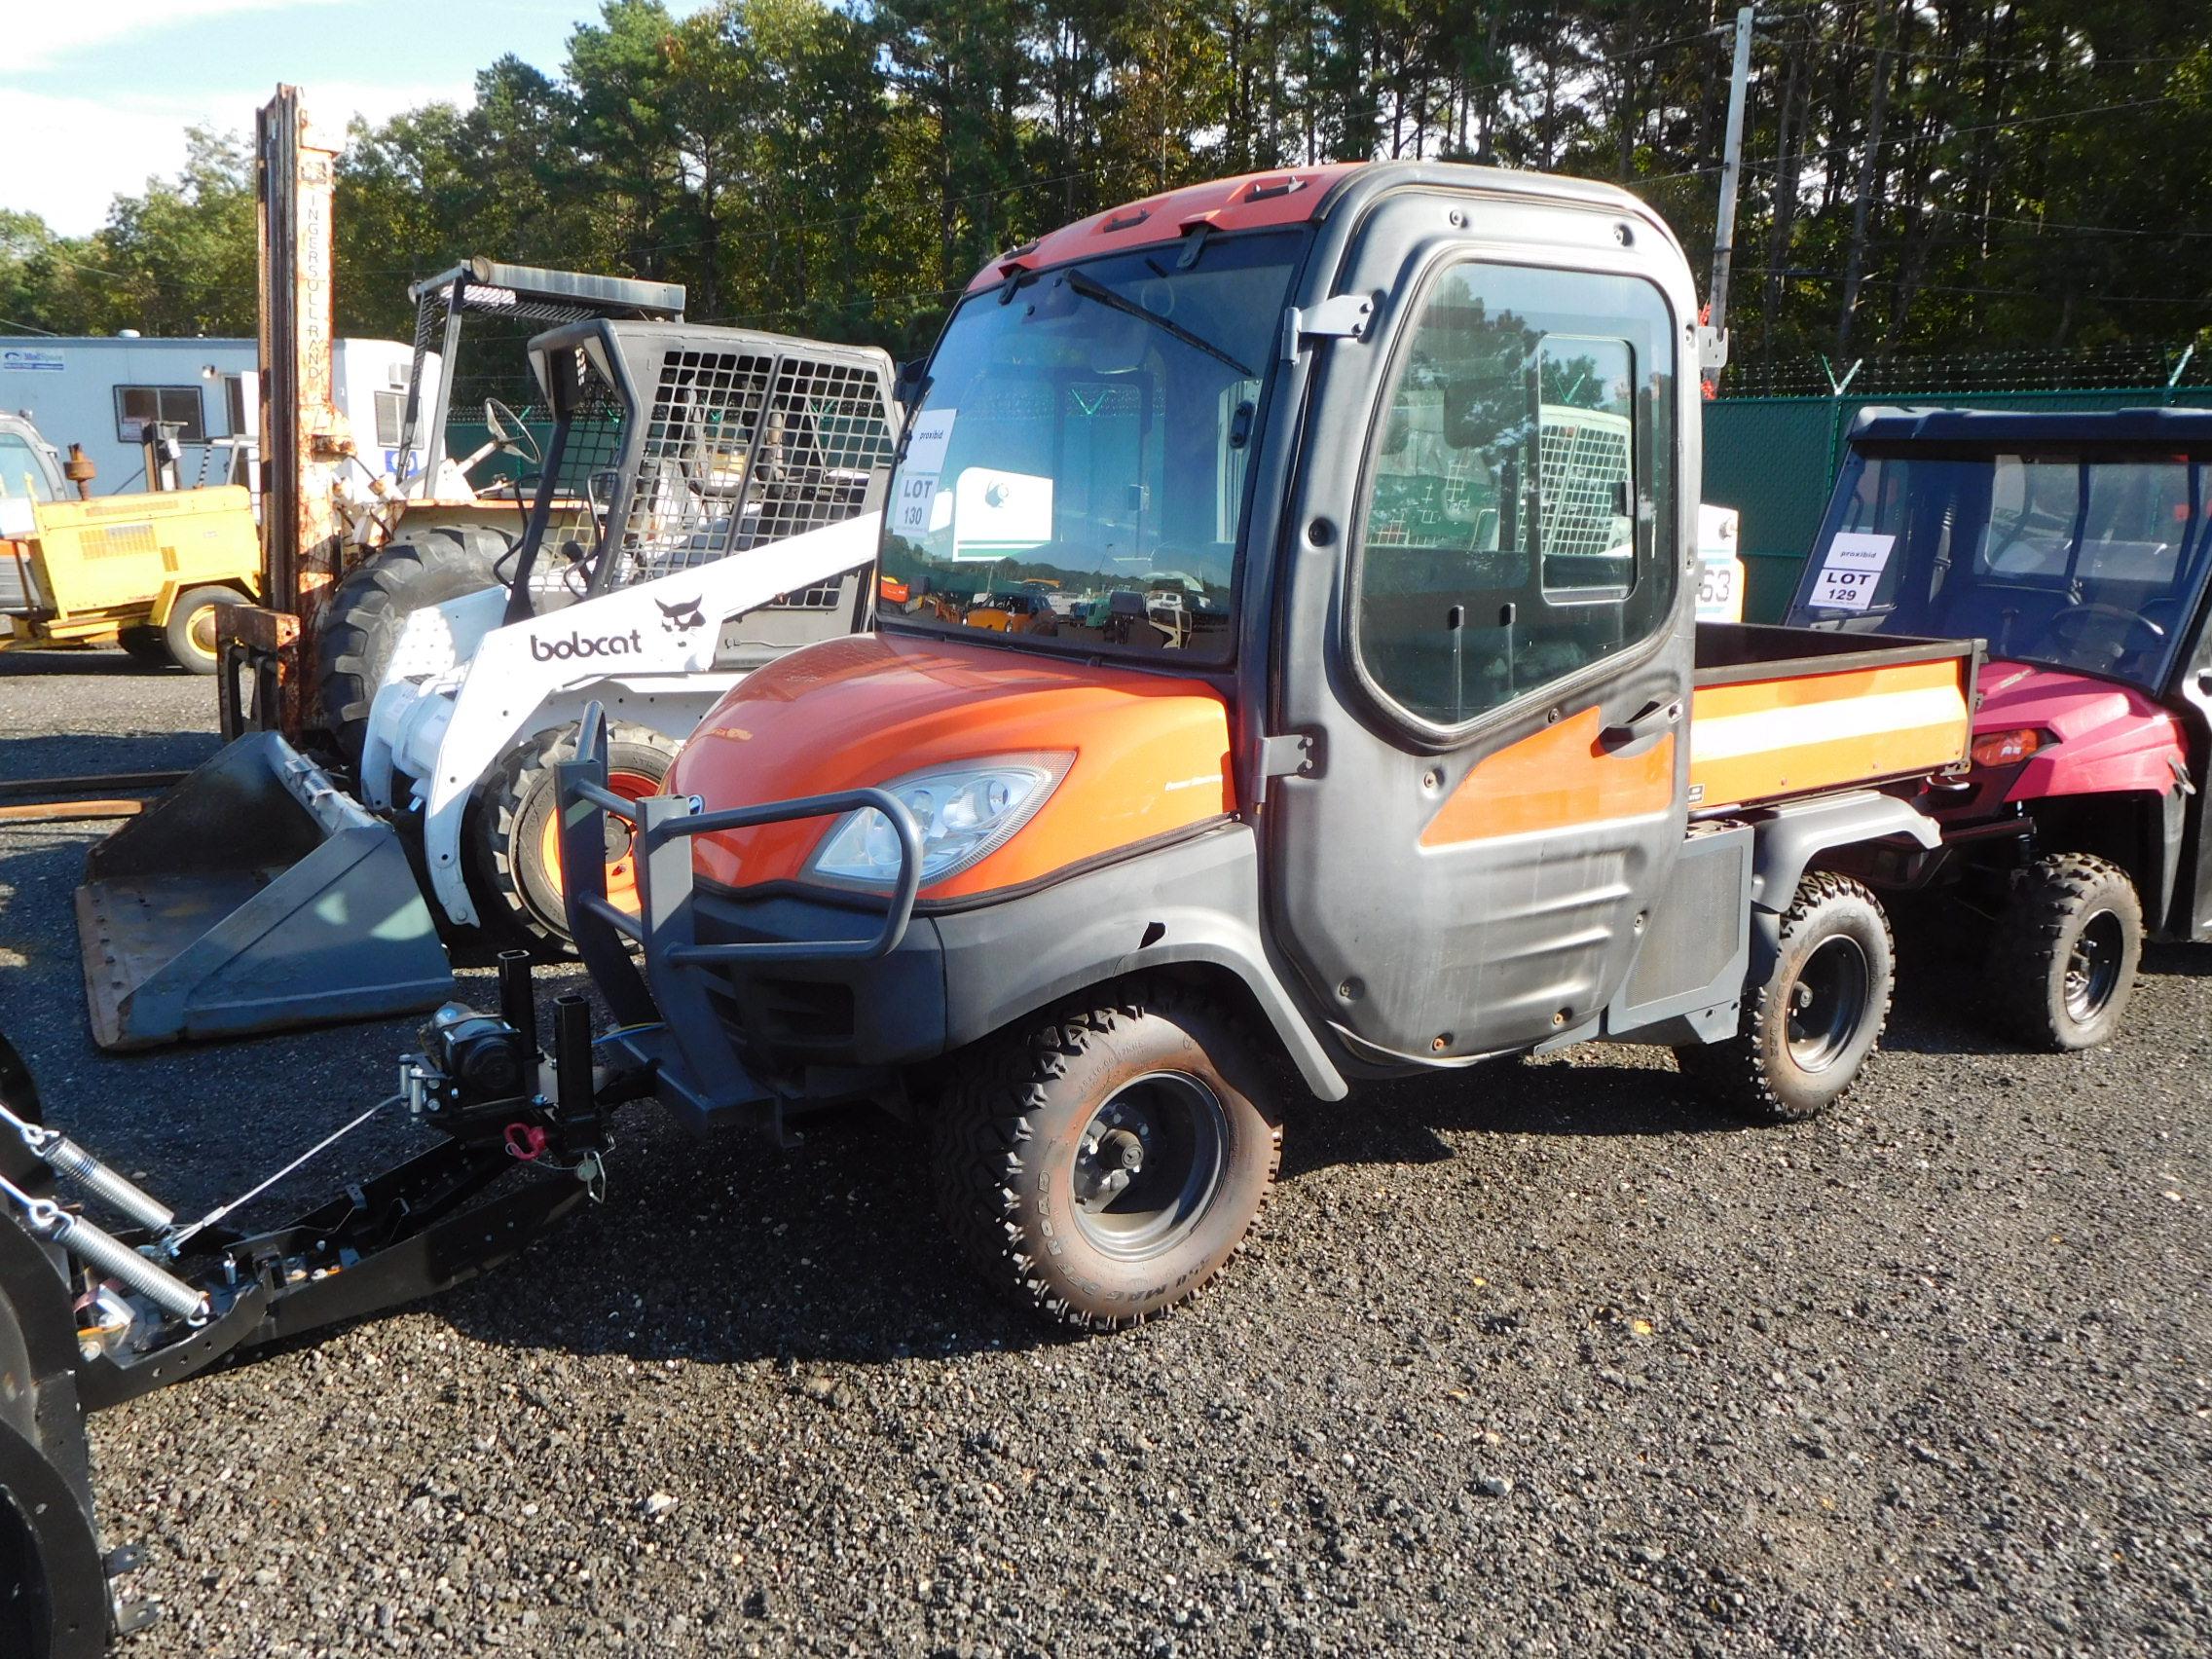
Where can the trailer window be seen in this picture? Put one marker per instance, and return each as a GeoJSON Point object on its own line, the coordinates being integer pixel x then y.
{"type": "Point", "coordinates": [179, 406]}
{"type": "Point", "coordinates": [1517, 519]}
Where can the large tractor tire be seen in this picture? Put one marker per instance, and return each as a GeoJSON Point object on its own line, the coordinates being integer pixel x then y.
{"type": "Point", "coordinates": [514, 832]}
{"type": "Point", "coordinates": [426, 566]}
{"type": "Point", "coordinates": [1807, 1030]}
{"type": "Point", "coordinates": [1102, 1162]}
{"type": "Point", "coordinates": [189, 636]}
{"type": "Point", "coordinates": [2063, 955]}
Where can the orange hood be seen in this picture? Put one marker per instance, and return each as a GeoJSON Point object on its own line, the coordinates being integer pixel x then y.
{"type": "Point", "coordinates": [1150, 753]}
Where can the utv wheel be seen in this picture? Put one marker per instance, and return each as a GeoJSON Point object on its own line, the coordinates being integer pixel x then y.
{"type": "Point", "coordinates": [1101, 1163]}
{"type": "Point", "coordinates": [1808, 1029]}
{"type": "Point", "coordinates": [514, 831]}
{"type": "Point", "coordinates": [190, 635]}
{"type": "Point", "coordinates": [372, 602]}
{"type": "Point", "coordinates": [2063, 955]}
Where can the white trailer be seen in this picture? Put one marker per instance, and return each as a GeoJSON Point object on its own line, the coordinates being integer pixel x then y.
{"type": "Point", "coordinates": [100, 391]}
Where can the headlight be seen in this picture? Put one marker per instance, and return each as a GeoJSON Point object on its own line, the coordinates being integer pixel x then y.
{"type": "Point", "coordinates": [963, 812]}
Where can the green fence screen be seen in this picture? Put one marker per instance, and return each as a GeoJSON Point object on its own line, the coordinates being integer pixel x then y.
{"type": "Point", "coordinates": [1773, 460]}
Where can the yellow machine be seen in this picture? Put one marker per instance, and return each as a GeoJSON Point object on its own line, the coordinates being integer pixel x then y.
{"type": "Point", "coordinates": [145, 572]}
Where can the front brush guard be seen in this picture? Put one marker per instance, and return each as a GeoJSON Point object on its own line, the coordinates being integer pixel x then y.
{"type": "Point", "coordinates": [701, 1074]}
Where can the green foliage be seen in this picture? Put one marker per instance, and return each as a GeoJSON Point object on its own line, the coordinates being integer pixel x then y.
{"type": "Point", "coordinates": [1921, 176]}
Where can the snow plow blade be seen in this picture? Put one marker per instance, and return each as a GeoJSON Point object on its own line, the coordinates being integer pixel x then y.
{"type": "Point", "coordinates": [254, 896]}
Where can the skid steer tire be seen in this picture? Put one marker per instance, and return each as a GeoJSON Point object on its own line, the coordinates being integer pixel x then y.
{"type": "Point", "coordinates": [189, 636]}
{"type": "Point", "coordinates": [360, 629]}
{"type": "Point", "coordinates": [2063, 955]}
{"type": "Point", "coordinates": [1156, 1085]}
{"type": "Point", "coordinates": [1809, 1029]}
{"type": "Point", "coordinates": [512, 832]}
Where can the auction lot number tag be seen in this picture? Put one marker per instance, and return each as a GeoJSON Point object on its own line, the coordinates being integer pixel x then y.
{"type": "Point", "coordinates": [926, 444]}
{"type": "Point", "coordinates": [1852, 569]}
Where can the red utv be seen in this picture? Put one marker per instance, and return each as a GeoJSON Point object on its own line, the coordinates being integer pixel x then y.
{"type": "Point", "coordinates": [2076, 546]}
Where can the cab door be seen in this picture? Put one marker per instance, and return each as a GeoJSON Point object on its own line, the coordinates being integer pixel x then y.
{"type": "Point", "coordinates": [1485, 627]}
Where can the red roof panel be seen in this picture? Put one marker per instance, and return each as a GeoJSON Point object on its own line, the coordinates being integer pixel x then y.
{"type": "Point", "coordinates": [1287, 196]}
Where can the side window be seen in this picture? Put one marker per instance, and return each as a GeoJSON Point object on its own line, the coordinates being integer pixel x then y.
{"type": "Point", "coordinates": [391, 415]}
{"type": "Point", "coordinates": [1516, 523]}
{"type": "Point", "coordinates": [137, 406]}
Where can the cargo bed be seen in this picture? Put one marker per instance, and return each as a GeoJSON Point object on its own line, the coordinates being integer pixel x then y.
{"type": "Point", "coordinates": [1777, 713]}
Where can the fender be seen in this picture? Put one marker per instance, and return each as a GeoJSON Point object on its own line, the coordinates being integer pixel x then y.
{"type": "Point", "coordinates": [1783, 844]}
{"type": "Point", "coordinates": [643, 631]}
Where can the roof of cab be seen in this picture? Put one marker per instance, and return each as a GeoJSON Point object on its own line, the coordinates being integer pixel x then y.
{"type": "Point", "coordinates": [1287, 196]}
{"type": "Point", "coordinates": [1976, 426]}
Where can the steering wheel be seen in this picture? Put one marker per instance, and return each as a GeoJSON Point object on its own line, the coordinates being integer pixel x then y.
{"type": "Point", "coordinates": [2063, 625]}
{"type": "Point", "coordinates": [509, 435]}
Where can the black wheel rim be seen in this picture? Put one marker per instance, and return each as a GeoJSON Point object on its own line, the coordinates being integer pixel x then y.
{"type": "Point", "coordinates": [1828, 1002]}
{"type": "Point", "coordinates": [1148, 1164]}
{"type": "Point", "coordinates": [2092, 967]}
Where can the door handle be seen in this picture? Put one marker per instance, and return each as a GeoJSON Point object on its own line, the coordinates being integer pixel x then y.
{"type": "Point", "coordinates": [1637, 733]}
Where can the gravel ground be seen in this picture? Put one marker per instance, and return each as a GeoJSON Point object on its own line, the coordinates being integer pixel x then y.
{"type": "Point", "coordinates": [1540, 1357]}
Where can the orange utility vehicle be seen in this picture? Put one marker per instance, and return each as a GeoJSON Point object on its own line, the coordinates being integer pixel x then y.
{"type": "Point", "coordinates": [1448, 773]}
{"type": "Point", "coordinates": [1437, 768]}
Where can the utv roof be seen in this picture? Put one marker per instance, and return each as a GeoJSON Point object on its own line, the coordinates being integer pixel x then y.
{"type": "Point", "coordinates": [1287, 196]}
{"type": "Point", "coordinates": [1978, 427]}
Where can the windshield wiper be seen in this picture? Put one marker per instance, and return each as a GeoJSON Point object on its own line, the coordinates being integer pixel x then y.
{"type": "Point", "coordinates": [1090, 288]}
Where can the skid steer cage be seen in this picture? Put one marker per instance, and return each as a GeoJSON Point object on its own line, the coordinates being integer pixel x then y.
{"type": "Point", "coordinates": [701, 1072]}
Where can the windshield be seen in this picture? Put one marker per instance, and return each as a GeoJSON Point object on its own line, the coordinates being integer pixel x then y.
{"type": "Point", "coordinates": [2088, 561]}
{"type": "Point", "coordinates": [1076, 470]}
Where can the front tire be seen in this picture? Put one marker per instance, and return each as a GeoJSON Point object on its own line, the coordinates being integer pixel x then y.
{"type": "Point", "coordinates": [513, 832]}
{"type": "Point", "coordinates": [1808, 1030]}
{"type": "Point", "coordinates": [429, 565]}
{"type": "Point", "coordinates": [2063, 956]}
{"type": "Point", "coordinates": [1102, 1162]}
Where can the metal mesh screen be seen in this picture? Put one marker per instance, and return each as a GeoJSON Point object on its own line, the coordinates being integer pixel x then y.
{"type": "Point", "coordinates": [1584, 460]}
{"type": "Point", "coordinates": [748, 447]}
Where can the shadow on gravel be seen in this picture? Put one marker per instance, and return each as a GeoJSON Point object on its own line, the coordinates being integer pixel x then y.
{"type": "Point", "coordinates": [85, 754]}
{"type": "Point", "coordinates": [2185, 961]}
{"type": "Point", "coordinates": [1405, 1122]}
{"type": "Point", "coordinates": [105, 663]}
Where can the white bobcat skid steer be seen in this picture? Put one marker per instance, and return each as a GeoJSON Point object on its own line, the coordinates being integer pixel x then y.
{"type": "Point", "coordinates": [736, 483]}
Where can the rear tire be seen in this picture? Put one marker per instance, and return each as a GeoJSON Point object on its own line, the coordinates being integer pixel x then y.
{"type": "Point", "coordinates": [189, 636]}
{"type": "Point", "coordinates": [511, 834]}
{"type": "Point", "coordinates": [1100, 1163]}
{"type": "Point", "coordinates": [429, 565]}
{"type": "Point", "coordinates": [1808, 1031]}
{"type": "Point", "coordinates": [2063, 955]}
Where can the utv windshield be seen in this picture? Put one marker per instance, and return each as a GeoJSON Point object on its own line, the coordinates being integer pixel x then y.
{"type": "Point", "coordinates": [2090, 561]}
{"type": "Point", "coordinates": [1075, 473]}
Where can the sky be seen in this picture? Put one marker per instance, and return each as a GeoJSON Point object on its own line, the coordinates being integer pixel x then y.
{"type": "Point", "coordinates": [94, 96]}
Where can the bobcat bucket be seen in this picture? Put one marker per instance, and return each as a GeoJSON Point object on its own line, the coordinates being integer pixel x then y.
{"type": "Point", "coordinates": [254, 896]}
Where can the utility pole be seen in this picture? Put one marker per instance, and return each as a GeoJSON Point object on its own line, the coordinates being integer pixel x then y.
{"type": "Point", "coordinates": [1713, 357]}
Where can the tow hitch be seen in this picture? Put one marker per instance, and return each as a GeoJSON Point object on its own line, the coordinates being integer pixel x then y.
{"type": "Point", "coordinates": [94, 1313]}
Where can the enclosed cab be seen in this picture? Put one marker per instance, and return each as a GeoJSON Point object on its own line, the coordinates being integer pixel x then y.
{"type": "Point", "coordinates": [1378, 734]}
{"type": "Point", "coordinates": [2076, 545]}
